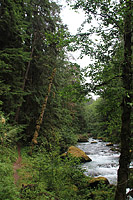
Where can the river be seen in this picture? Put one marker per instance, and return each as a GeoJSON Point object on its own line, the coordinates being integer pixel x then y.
{"type": "Point", "coordinates": [105, 162]}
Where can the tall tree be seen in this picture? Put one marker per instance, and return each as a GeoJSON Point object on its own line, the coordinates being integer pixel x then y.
{"type": "Point", "coordinates": [125, 157]}
{"type": "Point", "coordinates": [12, 54]}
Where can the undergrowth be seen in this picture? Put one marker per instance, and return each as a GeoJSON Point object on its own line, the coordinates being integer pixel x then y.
{"type": "Point", "coordinates": [46, 176]}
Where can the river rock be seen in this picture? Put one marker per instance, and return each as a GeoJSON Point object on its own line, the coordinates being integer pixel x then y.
{"type": "Point", "coordinates": [93, 142]}
{"type": "Point", "coordinates": [100, 138]}
{"type": "Point", "coordinates": [109, 144]}
{"type": "Point", "coordinates": [82, 138]}
{"type": "Point", "coordinates": [94, 182]}
{"type": "Point", "coordinates": [78, 153]}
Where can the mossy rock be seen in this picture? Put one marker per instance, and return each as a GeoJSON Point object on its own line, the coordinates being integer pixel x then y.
{"type": "Point", "coordinates": [82, 138]}
{"type": "Point", "coordinates": [115, 149]}
{"type": "Point", "coordinates": [93, 142]}
{"type": "Point", "coordinates": [78, 153]}
{"type": "Point", "coordinates": [95, 182]}
{"type": "Point", "coordinates": [109, 144]}
{"type": "Point", "coordinates": [100, 138]}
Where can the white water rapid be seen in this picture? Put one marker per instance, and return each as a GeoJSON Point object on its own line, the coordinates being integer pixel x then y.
{"type": "Point", "coordinates": [105, 162]}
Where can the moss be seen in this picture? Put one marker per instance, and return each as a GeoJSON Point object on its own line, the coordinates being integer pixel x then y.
{"type": "Point", "coordinates": [95, 182]}
{"type": "Point", "coordinates": [78, 153]}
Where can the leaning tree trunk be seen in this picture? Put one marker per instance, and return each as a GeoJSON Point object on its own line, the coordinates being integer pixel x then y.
{"type": "Point", "coordinates": [125, 135]}
{"type": "Point", "coordinates": [40, 119]}
{"type": "Point", "coordinates": [25, 77]}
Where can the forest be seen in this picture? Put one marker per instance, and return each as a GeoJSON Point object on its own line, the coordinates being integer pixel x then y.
{"type": "Point", "coordinates": [46, 106]}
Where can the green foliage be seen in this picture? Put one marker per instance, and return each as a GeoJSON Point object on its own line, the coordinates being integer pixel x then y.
{"type": "Point", "coordinates": [9, 134]}
{"type": "Point", "coordinates": [103, 119]}
{"type": "Point", "coordinates": [103, 192]}
{"type": "Point", "coordinates": [55, 178]}
{"type": "Point", "coordinates": [46, 176]}
{"type": "Point", "coordinates": [33, 42]}
{"type": "Point", "coordinates": [107, 54]}
{"type": "Point", "coordinates": [8, 190]}
{"type": "Point", "coordinates": [28, 54]}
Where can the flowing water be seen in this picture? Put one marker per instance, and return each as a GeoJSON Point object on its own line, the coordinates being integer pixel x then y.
{"type": "Point", "coordinates": [105, 162]}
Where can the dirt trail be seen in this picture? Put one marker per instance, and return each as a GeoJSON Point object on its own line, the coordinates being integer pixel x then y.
{"type": "Point", "coordinates": [17, 164]}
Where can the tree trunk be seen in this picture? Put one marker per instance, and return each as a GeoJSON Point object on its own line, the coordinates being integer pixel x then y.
{"type": "Point", "coordinates": [124, 161]}
{"type": "Point", "coordinates": [39, 121]}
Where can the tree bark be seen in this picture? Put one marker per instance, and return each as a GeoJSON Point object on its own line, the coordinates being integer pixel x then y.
{"type": "Point", "coordinates": [125, 135]}
{"type": "Point", "coordinates": [40, 119]}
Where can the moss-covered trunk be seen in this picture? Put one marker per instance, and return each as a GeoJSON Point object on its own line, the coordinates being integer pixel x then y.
{"type": "Point", "coordinates": [39, 121]}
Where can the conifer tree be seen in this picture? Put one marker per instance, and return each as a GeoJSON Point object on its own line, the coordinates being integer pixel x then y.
{"type": "Point", "coordinates": [12, 54]}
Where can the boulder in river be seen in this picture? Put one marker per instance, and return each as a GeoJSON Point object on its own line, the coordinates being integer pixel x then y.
{"type": "Point", "coordinates": [94, 182]}
{"type": "Point", "coordinates": [78, 153]}
{"type": "Point", "coordinates": [93, 142]}
{"type": "Point", "coordinates": [100, 138]}
{"type": "Point", "coordinates": [109, 144]}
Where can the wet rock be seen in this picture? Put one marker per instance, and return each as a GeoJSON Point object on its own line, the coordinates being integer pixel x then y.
{"type": "Point", "coordinates": [109, 144]}
{"type": "Point", "coordinates": [82, 138]}
{"type": "Point", "coordinates": [100, 138]}
{"type": "Point", "coordinates": [94, 182]}
{"type": "Point", "coordinates": [87, 152]}
{"type": "Point", "coordinates": [93, 142]}
{"type": "Point", "coordinates": [78, 153]}
{"type": "Point", "coordinates": [115, 149]}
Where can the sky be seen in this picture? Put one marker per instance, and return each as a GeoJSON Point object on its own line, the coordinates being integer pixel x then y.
{"type": "Point", "coordinates": [74, 20]}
